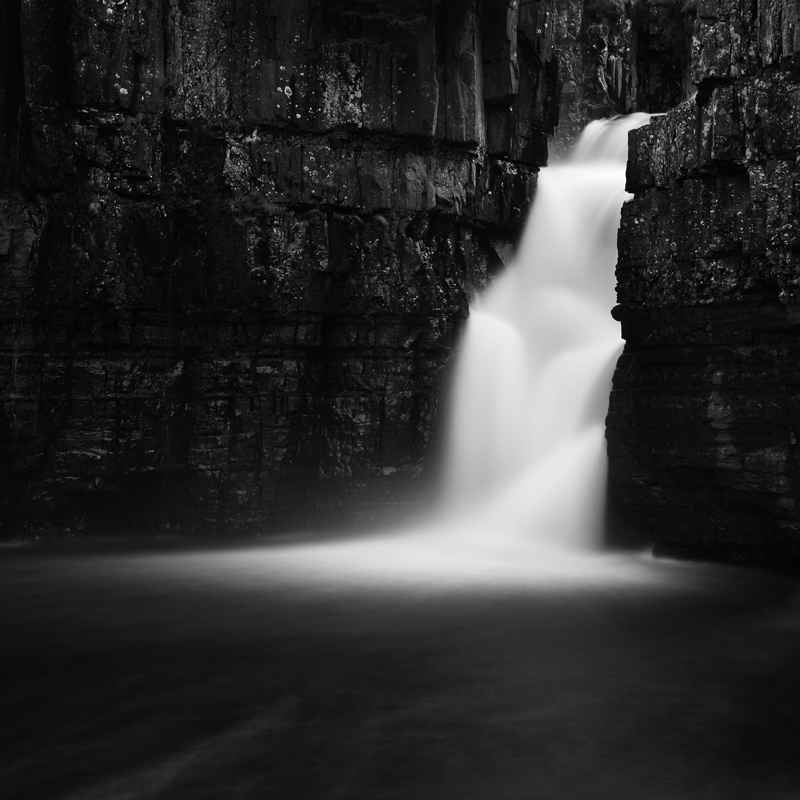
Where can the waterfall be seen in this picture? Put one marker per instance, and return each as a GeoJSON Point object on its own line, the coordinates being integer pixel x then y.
{"type": "Point", "coordinates": [526, 448]}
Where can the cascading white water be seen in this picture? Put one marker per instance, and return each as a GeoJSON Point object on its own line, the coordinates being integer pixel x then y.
{"type": "Point", "coordinates": [526, 448]}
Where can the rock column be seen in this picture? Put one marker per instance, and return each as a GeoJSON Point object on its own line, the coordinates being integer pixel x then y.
{"type": "Point", "coordinates": [705, 412]}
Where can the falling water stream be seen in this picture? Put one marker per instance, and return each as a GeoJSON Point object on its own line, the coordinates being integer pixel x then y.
{"type": "Point", "coordinates": [527, 437]}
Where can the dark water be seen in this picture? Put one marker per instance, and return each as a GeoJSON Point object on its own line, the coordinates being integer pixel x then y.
{"type": "Point", "coordinates": [360, 670]}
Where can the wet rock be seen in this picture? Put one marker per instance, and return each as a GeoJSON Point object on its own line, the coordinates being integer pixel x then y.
{"type": "Point", "coordinates": [703, 418]}
{"type": "Point", "coordinates": [237, 242]}
{"type": "Point", "coordinates": [619, 57]}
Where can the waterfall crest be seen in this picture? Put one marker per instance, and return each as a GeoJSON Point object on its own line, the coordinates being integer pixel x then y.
{"type": "Point", "coordinates": [526, 443]}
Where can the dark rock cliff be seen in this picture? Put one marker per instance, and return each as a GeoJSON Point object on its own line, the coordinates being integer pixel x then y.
{"type": "Point", "coordinates": [619, 56]}
{"type": "Point", "coordinates": [236, 240]}
{"type": "Point", "coordinates": [705, 411]}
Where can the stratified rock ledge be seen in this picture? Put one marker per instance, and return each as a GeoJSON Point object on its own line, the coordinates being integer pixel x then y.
{"type": "Point", "coordinates": [236, 243]}
{"type": "Point", "coordinates": [705, 409]}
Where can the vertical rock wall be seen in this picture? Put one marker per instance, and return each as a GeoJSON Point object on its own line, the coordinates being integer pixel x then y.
{"type": "Point", "coordinates": [236, 240]}
{"type": "Point", "coordinates": [705, 411]}
{"type": "Point", "coordinates": [619, 56]}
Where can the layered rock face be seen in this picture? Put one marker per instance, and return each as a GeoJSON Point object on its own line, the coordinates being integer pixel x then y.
{"type": "Point", "coordinates": [705, 411]}
{"type": "Point", "coordinates": [236, 240]}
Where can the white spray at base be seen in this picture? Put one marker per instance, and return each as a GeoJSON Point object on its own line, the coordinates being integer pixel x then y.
{"type": "Point", "coordinates": [526, 447]}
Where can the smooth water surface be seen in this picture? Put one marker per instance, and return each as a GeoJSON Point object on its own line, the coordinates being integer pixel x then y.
{"type": "Point", "coordinates": [393, 668]}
